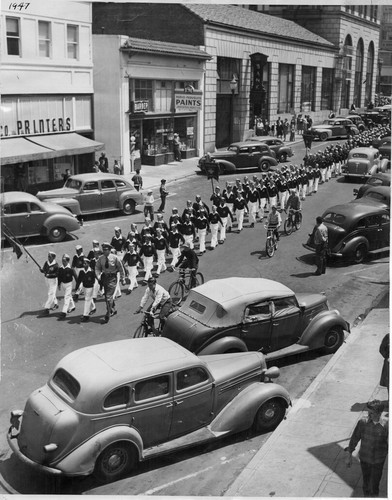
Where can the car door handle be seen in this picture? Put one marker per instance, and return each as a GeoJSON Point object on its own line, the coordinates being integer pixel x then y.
{"type": "Point", "coordinates": [178, 402]}
{"type": "Point", "coordinates": [169, 405]}
{"type": "Point", "coordinates": [276, 324]}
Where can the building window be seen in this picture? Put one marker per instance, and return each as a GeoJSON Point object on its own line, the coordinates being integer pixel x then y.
{"type": "Point", "coordinates": [369, 74]}
{"type": "Point", "coordinates": [227, 68]}
{"type": "Point", "coordinates": [72, 41]}
{"type": "Point", "coordinates": [144, 91]}
{"type": "Point", "coordinates": [308, 87]}
{"type": "Point", "coordinates": [13, 36]}
{"type": "Point", "coordinates": [163, 96]}
{"type": "Point", "coordinates": [327, 88]}
{"type": "Point", "coordinates": [44, 38]}
{"type": "Point", "coordinates": [285, 91]}
{"type": "Point", "coordinates": [358, 74]}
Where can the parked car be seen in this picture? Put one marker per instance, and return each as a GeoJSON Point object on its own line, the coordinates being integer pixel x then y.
{"type": "Point", "coordinates": [378, 195]}
{"type": "Point", "coordinates": [241, 155]}
{"type": "Point", "coordinates": [107, 407]}
{"type": "Point", "coordinates": [356, 230]}
{"type": "Point", "coordinates": [373, 118]}
{"type": "Point", "coordinates": [281, 150]}
{"type": "Point", "coordinates": [334, 128]}
{"type": "Point", "coordinates": [255, 314]}
{"type": "Point", "coordinates": [24, 215]}
{"type": "Point", "coordinates": [357, 120]}
{"type": "Point", "coordinates": [380, 179]}
{"type": "Point", "coordinates": [95, 192]}
{"type": "Point", "coordinates": [364, 162]}
{"type": "Point", "coordinates": [383, 144]}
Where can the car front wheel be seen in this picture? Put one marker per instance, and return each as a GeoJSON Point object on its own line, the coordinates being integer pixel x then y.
{"type": "Point", "coordinates": [129, 207]}
{"type": "Point", "coordinates": [323, 136]}
{"type": "Point", "coordinates": [360, 253]}
{"type": "Point", "coordinates": [264, 166]}
{"type": "Point", "coordinates": [56, 234]}
{"type": "Point", "coordinates": [269, 415]}
{"type": "Point", "coordinates": [333, 340]}
{"type": "Point", "coordinates": [116, 460]}
{"type": "Point", "coordinates": [283, 157]}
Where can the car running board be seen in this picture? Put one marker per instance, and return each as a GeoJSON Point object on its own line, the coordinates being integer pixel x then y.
{"type": "Point", "coordinates": [286, 351]}
{"type": "Point", "coordinates": [194, 438]}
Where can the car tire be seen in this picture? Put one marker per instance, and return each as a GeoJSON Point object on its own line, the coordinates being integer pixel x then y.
{"type": "Point", "coordinates": [283, 157]}
{"type": "Point", "coordinates": [129, 207]}
{"type": "Point", "coordinates": [115, 461]}
{"type": "Point", "coordinates": [269, 415]}
{"type": "Point", "coordinates": [334, 338]}
{"type": "Point", "coordinates": [56, 234]}
{"type": "Point", "coordinates": [264, 166]}
{"type": "Point", "coordinates": [323, 136]}
{"type": "Point", "coordinates": [360, 253]}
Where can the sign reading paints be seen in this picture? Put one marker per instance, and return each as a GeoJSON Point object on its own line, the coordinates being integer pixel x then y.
{"type": "Point", "coordinates": [189, 101]}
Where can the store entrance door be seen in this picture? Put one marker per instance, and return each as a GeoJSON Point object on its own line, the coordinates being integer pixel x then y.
{"type": "Point", "coordinates": [223, 121]}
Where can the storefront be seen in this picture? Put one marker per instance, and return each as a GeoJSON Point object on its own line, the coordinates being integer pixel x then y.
{"type": "Point", "coordinates": [43, 139]}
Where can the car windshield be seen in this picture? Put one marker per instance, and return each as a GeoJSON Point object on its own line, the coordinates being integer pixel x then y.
{"type": "Point", "coordinates": [328, 122]}
{"type": "Point", "coordinates": [334, 218]}
{"type": "Point", "coordinates": [66, 383]}
{"type": "Point", "coordinates": [73, 184]}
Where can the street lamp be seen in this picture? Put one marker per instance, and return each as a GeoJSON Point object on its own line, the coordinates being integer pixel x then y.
{"type": "Point", "coordinates": [233, 88]}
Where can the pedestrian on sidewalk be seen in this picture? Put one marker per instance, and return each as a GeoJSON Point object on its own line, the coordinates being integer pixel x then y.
{"type": "Point", "coordinates": [384, 351]}
{"type": "Point", "coordinates": [163, 193]}
{"type": "Point", "coordinates": [373, 434]}
{"type": "Point", "coordinates": [149, 205]}
{"type": "Point", "coordinates": [137, 181]}
{"type": "Point", "coordinates": [176, 147]}
{"type": "Point", "coordinates": [320, 238]}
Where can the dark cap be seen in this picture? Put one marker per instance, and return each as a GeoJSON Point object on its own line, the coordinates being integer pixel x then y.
{"type": "Point", "coordinates": [163, 181]}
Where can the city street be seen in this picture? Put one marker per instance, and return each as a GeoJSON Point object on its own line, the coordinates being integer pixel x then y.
{"type": "Point", "coordinates": [31, 346]}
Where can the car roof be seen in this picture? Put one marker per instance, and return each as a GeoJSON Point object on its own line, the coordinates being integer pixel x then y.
{"type": "Point", "coordinates": [384, 190]}
{"type": "Point", "coordinates": [95, 176]}
{"type": "Point", "coordinates": [17, 197]}
{"type": "Point", "coordinates": [380, 175]}
{"type": "Point", "coordinates": [102, 367]}
{"type": "Point", "coordinates": [247, 143]}
{"type": "Point", "coordinates": [354, 211]}
{"type": "Point", "coordinates": [364, 149]}
{"type": "Point", "coordinates": [242, 290]}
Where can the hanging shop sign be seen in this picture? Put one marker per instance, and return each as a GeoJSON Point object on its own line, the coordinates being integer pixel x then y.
{"type": "Point", "coordinates": [188, 101]}
{"type": "Point", "coordinates": [139, 106]}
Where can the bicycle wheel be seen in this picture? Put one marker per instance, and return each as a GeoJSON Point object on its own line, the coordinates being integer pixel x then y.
{"type": "Point", "coordinates": [177, 292]}
{"type": "Point", "coordinates": [139, 332]}
{"type": "Point", "coordinates": [199, 279]}
{"type": "Point", "coordinates": [288, 226]}
{"type": "Point", "coordinates": [298, 221]}
{"type": "Point", "coordinates": [269, 247]}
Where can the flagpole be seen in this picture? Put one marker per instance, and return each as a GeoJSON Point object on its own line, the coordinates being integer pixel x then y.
{"type": "Point", "coordinates": [13, 237]}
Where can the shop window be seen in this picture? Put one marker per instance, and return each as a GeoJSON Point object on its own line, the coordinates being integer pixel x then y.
{"type": "Point", "coordinates": [13, 36]}
{"type": "Point", "coordinates": [163, 96]}
{"type": "Point", "coordinates": [72, 41]}
{"type": "Point", "coordinates": [308, 87]}
{"type": "Point", "coordinates": [327, 88]}
{"type": "Point", "coordinates": [285, 90]}
{"type": "Point", "coordinates": [44, 38]}
{"type": "Point", "coordinates": [144, 92]}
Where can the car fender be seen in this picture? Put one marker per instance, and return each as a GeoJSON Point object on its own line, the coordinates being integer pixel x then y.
{"type": "Point", "coordinates": [69, 223]}
{"type": "Point", "coordinates": [313, 335]}
{"type": "Point", "coordinates": [385, 165]}
{"type": "Point", "coordinates": [272, 161]}
{"type": "Point", "coordinates": [136, 196]}
{"type": "Point", "coordinates": [228, 165]}
{"type": "Point", "coordinates": [70, 204]}
{"type": "Point", "coordinates": [81, 461]}
{"type": "Point", "coordinates": [349, 246]}
{"type": "Point", "coordinates": [240, 413]}
{"type": "Point", "coordinates": [223, 345]}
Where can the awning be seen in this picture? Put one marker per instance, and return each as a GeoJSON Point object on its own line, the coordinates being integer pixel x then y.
{"type": "Point", "coordinates": [42, 147]}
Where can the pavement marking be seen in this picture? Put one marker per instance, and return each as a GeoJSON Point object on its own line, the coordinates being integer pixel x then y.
{"type": "Point", "coordinates": [224, 461]}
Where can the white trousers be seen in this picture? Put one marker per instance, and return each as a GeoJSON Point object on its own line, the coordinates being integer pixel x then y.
{"type": "Point", "coordinates": [283, 199]}
{"type": "Point", "coordinates": [263, 203]}
{"type": "Point", "coordinates": [202, 239]}
{"type": "Point", "coordinates": [315, 185]}
{"type": "Point", "coordinates": [176, 252]}
{"type": "Point", "coordinates": [88, 301]}
{"type": "Point", "coordinates": [240, 218]}
{"type": "Point", "coordinates": [214, 234]}
{"type": "Point", "coordinates": [51, 301]}
{"type": "Point", "coordinates": [310, 187]}
{"type": "Point", "coordinates": [148, 263]}
{"type": "Point", "coordinates": [68, 300]}
{"type": "Point", "coordinates": [222, 228]}
{"type": "Point", "coordinates": [229, 221]}
{"type": "Point", "coordinates": [161, 261]}
{"type": "Point", "coordinates": [189, 239]}
{"type": "Point", "coordinates": [80, 288]}
{"type": "Point", "coordinates": [132, 275]}
{"type": "Point", "coordinates": [252, 207]}
{"type": "Point", "coordinates": [272, 202]}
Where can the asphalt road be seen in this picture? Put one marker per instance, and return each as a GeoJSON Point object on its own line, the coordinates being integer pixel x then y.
{"type": "Point", "coordinates": [31, 346]}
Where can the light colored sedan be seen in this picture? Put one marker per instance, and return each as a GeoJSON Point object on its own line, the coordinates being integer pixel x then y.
{"type": "Point", "coordinates": [95, 192]}
{"type": "Point", "coordinates": [24, 215]}
{"type": "Point", "coordinates": [107, 407]}
{"type": "Point", "coordinates": [364, 162]}
{"type": "Point", "coordinates": [334, 127]}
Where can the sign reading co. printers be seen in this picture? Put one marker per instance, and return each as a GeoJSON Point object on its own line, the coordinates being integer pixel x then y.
{"type": "Point", "coordinates": [188, 101]}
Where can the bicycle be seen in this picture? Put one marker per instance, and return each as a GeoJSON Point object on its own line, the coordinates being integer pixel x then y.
{"type": "Point", "coordinates": [293, 220]}
{"type": "Point", "coordinates": [180, 289]}
{"type": "Point", "coordinates": [147, 326]}
{"type": "Point", "coordinates": [272, 243]}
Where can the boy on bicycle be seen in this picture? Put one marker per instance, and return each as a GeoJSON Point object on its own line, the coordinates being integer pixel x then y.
{"type": "Point", "coordinates": [161, 300]}
{"type": "Point", "coordinates": [188, 260]}
{"type": "Point", "coordinates": [274, 221]}
{"type": "Point", "coordinates": [293, 203]}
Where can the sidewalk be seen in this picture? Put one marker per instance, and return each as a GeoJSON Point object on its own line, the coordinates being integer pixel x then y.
{"type": "Point", "coordinates": [304, 457]}
{"type": "Point", "coordinates": [175, 171]}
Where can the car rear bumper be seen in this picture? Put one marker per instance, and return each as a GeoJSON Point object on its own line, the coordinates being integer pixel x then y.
{"type": "Point", "coordinates": [312, 249]}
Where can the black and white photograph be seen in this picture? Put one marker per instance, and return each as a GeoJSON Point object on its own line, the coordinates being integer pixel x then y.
{"type": "Point", "coordinates": [195, 231]}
